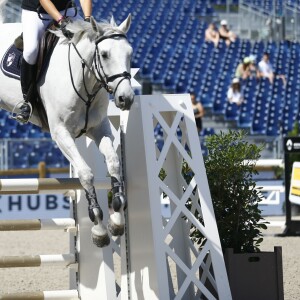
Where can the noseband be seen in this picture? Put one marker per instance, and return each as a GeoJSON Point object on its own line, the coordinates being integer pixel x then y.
{"type": "Point", "coordinates": [102, 79]}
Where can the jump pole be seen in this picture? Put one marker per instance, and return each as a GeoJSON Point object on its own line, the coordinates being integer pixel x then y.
{"type": "Point", "coordinates": [46, 185]}
{"type": "Point", "coordinates": [30, 261]}
{"type": "Point", "coordinates": [45, 295]}
{"type": "Point", "coordinates": [65, 224]}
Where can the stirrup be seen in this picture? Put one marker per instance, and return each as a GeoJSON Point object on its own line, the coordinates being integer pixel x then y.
{"type": "Point", "coordinates": [17, 115]}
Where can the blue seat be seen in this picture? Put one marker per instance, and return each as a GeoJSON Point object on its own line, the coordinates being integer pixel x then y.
{"type": "Point", "coordinates": [34, 158]}
{"type": "Point", "coordinates": [35, 132]}
{"type": "Point", "coordinates": [232, 112]}
{"type": "Point", "coordinates": [53, 160]}
{"type": "Point", "coordinates": [10, 123]}
{"type": "Point", "coordinates": [16, 134]}
{"type": "Point", "coordinates": [4, 132]}
{"type": "Point", "coordinates": [19, 160]}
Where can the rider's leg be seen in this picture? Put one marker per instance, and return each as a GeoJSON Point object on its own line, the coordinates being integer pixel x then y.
{"type": "Point", "coordinates": [33, 29]}
{"type": "Point", "coordinates": [28, 74]}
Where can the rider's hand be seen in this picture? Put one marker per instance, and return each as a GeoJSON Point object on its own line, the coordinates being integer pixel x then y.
{"type": "Point", "coordinates": [87, 19]}
{"type": "Point", "coordinates": [63, 26]}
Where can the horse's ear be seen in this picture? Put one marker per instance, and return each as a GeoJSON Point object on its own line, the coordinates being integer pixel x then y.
{"type": "Point", "coordinates": [126, 24]}
{"type": "Point", "coordinates": [113, 22]}
{"type": "Point", "coordinates": [94, 25]}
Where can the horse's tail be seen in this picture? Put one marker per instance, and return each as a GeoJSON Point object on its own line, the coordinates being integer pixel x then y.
{"type": "Point", "coordinates": [2, 4]}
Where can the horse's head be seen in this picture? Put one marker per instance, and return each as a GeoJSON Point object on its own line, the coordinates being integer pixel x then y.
{"type": "Point", "coordinates": [113, 56]}
{"type": "Point", "coordinates": [111, 59]}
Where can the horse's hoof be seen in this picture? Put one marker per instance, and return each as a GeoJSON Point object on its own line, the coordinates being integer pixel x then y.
{"type": "Point", "coordinates": [115, 230]}
{"type": "Point", "coordinates": [100, 241]}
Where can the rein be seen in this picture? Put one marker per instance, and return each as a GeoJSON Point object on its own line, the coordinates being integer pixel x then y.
{"type": "Point", "coordinates": [102, 80]}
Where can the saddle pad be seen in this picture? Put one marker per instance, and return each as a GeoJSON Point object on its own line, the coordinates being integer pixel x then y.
{"type": "Point", "coordinates": [11, 62]}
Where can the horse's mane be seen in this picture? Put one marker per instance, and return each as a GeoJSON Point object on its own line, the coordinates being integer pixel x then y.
{"type": "Point", "coordinates": [82, 29]}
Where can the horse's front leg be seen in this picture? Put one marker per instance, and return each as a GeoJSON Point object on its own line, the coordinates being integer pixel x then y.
{"type": "Point", "coordinates": [116, 221]}
{"type": "Point", "coordinates": [68, 147]}
{"type": "Point", "coordinates": [102, 136]}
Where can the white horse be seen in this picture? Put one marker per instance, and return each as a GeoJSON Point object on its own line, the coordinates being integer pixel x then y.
{"type": "Point", "coordinates": [99, 60]}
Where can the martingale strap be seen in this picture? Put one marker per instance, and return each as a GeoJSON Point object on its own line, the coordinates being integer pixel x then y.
{"type": "Point", "coordinates": [90, 97]}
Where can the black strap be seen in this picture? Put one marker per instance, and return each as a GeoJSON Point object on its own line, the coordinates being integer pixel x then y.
{"type": "Point", "coordinates": [113, 77]}
{"type": "Point", "coordinates": [111, 36]}
{"type": "Point", "coordinates": [90, 97]}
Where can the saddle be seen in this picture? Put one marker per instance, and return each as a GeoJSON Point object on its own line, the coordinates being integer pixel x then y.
{"type": "Point", "coordinates": [11, 66]}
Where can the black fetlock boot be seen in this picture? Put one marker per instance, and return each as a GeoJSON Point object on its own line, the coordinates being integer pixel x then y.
{"type": "Point", "coordinates": [118, 200]}
{"type": "Point", "coordinates": [28, 78]}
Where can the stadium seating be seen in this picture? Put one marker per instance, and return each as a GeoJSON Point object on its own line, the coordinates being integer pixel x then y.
{"type": "Point", "coordinates": [169, 48]}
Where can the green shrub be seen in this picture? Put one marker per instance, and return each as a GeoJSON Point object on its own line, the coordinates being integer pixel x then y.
{"type": "Point", "coordinates": [233, 191]}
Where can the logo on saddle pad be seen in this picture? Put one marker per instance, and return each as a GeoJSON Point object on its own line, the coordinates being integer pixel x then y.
{"type": "Point", "coordinates": [11, 62]}
{"type": "Point", "coordinates": [10, 59]}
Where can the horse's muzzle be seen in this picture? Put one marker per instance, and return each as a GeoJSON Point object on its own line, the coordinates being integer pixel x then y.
{"type": "Point", "coordinates": [124, 103]}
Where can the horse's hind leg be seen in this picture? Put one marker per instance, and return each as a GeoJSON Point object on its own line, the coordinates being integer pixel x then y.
{"type": "Point", "coordinates": [67, 145]}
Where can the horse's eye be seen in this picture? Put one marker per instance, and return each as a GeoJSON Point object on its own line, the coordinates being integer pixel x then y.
{"type": "Point", "coordinates": [104, 54]}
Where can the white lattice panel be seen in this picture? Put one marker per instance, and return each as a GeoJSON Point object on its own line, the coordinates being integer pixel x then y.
{"type": "Point", "coordinates": [164, 262]}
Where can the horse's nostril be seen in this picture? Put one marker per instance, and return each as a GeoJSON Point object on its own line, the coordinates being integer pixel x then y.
{"type": "Point", "coordinates": [122, 100]}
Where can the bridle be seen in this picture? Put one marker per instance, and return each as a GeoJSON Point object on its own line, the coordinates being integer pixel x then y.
{"type": "Point", "coordinates": [104, 79]}
{"type": "Point", "coordinates": [97, 69]}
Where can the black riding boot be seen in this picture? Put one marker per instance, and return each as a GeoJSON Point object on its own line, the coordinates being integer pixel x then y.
{"type": "Point", "coordinates": [28, 74]}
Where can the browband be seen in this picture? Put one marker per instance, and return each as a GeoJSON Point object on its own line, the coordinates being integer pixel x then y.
{"type": "Point", "coordinates": [112, 36]}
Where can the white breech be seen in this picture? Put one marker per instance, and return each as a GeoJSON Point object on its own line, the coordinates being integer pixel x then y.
{"type": "Point", "coordinates": [33, 29]}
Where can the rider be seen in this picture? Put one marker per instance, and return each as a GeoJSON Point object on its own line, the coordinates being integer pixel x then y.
{"type": "Point", "coordinates": [33, 29]}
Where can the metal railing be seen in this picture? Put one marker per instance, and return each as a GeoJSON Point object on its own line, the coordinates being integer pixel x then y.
{"type": "Point", "coordinates": [8, 146]}
{"type": "Point", "coordinates": [12, 11]}
{"type": "Point", "coordinates": [277, 24]}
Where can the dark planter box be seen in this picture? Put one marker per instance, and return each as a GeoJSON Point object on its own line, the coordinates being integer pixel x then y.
{"type": "Point", "coordinates": [255, 276]}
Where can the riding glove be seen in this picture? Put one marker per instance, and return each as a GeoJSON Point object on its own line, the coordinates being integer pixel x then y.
{"type": "Point", "coordinates": [63, 24]}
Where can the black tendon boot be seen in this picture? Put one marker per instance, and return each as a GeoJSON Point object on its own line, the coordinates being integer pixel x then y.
{"type": "Point", "coordinates": [28, 74]}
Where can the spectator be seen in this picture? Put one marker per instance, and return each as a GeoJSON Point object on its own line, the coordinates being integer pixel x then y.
{"type": "Point", "coordinates": [198, 112]}
{"type": "Point", "coordinates": [212, 34]}
{"type": "Point", "coordinates": [225, 34]}
{"type": "Point", "coordinates": [234, 94]}
{"type": "Point", "coordinates": [266, 69]}
{"type": "Point", "coordinates": [243, 69]}
{"type": "Point", "coordinates": [254, 72]}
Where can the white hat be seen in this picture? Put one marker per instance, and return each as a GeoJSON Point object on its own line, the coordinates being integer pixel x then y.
{"type": "Point", "coordinates": [235, 80]}
{"type": "Point", "coordinates": [252, 57]}
{"type": "Point", "coordinates": [223, 22]}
